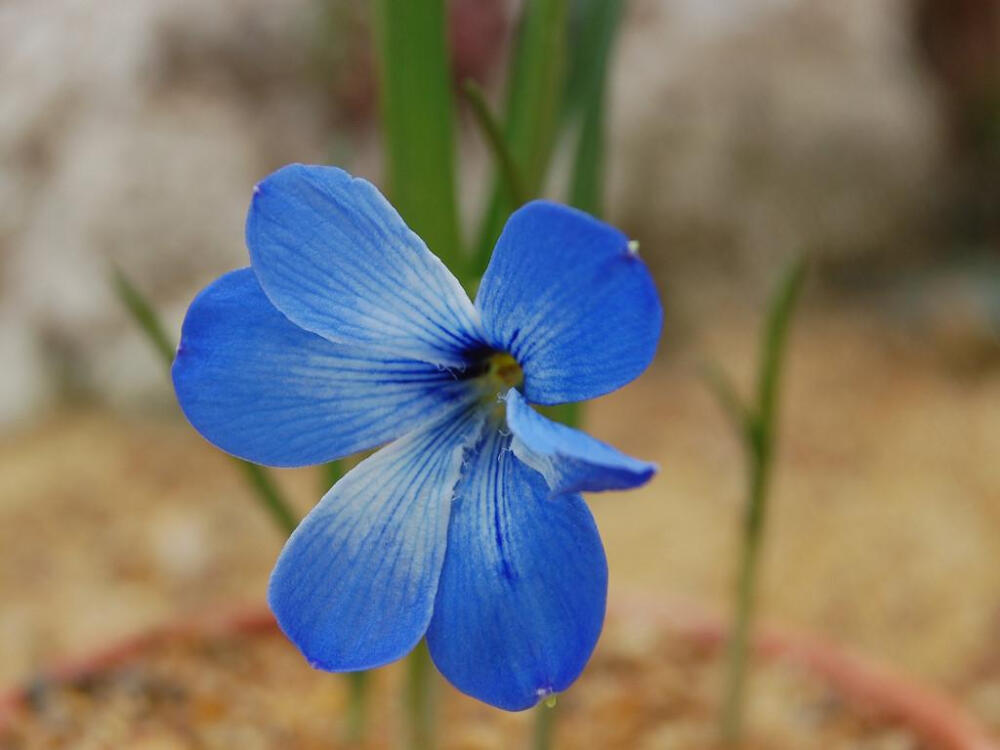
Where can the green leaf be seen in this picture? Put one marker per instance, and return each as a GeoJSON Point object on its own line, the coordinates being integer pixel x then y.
{"type": "Point", "coordinates": [502, 157]}
{"type": "Point", "coordinates": [268, 495]}
{"type": "Point", "coordinates": [534, 95]}
{"type": "Point", "coordinates": [144, 315]}
{"type": "Point", "coordinates": [597, 23]}
{"type": "Point", "coordinates": [418, 121]}
{"type": "Point", "coordinates": [773, 342]}
{"type": "Point", "coordinates": [740, 417]}
{"type": "Point", "coordinates": [758, 441]}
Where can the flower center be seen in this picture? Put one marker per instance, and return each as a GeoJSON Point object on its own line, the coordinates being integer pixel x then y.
{"type": "Point", "coordinates": [503, 371]}
{"type": "Point", "coordinates": [500, 372]}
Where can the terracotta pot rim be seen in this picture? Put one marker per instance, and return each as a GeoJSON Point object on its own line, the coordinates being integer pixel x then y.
{"type": "Point", "coordinates": [935, 717]}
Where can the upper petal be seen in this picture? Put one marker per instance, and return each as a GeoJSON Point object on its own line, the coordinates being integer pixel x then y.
{"type": "Point", "coordinates": [261, 388]}
{"type": "Point", "coordinates": [570, 460]}
{"type": "Point", "coordinates": [521, 600]}
{"type": "Point", "coordinates": [354, 586]}
{"type": "Point", "coordinates": [336, 258]}
{"type": "Point", "coordinates": [566, 296]}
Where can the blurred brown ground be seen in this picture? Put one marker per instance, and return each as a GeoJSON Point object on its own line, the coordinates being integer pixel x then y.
{"type": "Point", "coordinates": [885, 525]}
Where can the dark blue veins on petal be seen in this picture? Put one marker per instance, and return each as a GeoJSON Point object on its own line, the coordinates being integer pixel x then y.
{"type": "Point", "coordinates": [354, 587]}
{"type": "Point", "coordinates": [521, 599]}
{"type": "Point", "coordinates": [336, 258]}
{"type": "Point", "coordinates": [571, 301]}
{"type": "Point", "coordinates": [264, 389]}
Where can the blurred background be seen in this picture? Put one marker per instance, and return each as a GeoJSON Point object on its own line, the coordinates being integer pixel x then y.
{"type": "Point", "coordinates": [865, 133]}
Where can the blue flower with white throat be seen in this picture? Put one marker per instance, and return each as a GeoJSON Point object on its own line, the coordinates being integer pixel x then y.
{"type": "Point", "coordinates": [347, 333]}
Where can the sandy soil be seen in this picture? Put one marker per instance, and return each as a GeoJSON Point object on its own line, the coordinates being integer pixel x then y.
{"type": "Point", "coordinates": [645, 689]}
{"type": "Point", "coordinates": [885, 522]}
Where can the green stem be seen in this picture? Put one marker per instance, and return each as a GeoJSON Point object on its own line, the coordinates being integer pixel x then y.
{"type": "Point", "coordinates": [531, 120]}
{"type": "Point", "coordinates": [268, 495]}
{"type": "Point", "coordinates": [332, 472]}
{"type": "Point", "coordinates": [592, 54]}
{"type": "Point", "coordinates": [419, 697]}
{"type": "Point", "coordinates": [733, 699]}
{"type": "Point", "coordinates": [726, 396]}
{"type": "Point", "coordinates": [417, 122]}
{"type": "Point", "coordinates": [545, 724]}
{"type": "Point", "coordinates": [758, 439]}
{"type": "Point", "coordinates": [502, 156]}
{"type": "Point", "coordinates": [357, 707]}
{"type": "Point", "coordinates": [144, 314]}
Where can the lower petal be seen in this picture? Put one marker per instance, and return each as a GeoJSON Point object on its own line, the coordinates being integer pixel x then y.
{"type": "Point", "coordinates": [354, 587]}
{"type": "Point", "coordinates": [522, 594]}
{"type": "Point", "coordinates": [570, 460]}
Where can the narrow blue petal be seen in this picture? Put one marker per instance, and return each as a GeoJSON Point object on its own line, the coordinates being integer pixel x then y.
{"type": "Point", "coordinates": [263, 389]}
{"type": "Point", "coordinates": [568, 298]}
{"type": "Point", "coordinates": [522, 594]}
{"type": "Point", "coordinates": [570, 460]}
{"type": "Point", "coordinates": [354, 587]}
{"type": "Point", "coordinates": [334, 256]}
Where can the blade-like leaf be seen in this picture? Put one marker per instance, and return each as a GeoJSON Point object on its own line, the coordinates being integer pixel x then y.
{"type": "Point", "coordinates": [493, 134]}
{"type": "Point", "coordinates": [534, 89]}
{"type": "Point", "coordinates": [144, 315]}
{"type": "Point", "coordinates": [597, 23]}
{"type": "Point", "coordinates": [418, 121]}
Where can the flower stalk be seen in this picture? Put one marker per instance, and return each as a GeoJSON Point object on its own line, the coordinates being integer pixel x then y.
{"type": "Point", "coordinates": [756, 428]}
{"type": "Point", "coordinates": [508, 170]}
{"type": "Point", "coordinates": [545, 724]}
{"type": "Point", "coordinates": [419, 698]}
{"type": "Point", "coordinates": [357, 707]}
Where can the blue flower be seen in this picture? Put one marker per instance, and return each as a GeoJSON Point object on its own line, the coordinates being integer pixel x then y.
{"type": "Point", "coordinates": [346, 333]}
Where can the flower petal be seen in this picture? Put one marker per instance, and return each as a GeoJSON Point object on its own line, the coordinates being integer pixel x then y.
{"type": "Point", "coordinates": [266, 390]}
{"type": "Point", "coordinates": [570, 460]}
{"type": "Point", "coordinates": [334, 256]}
{"type": "Point", "coordinates": [568, 298]}
{"type": "Point", "coordinates": [522, 594]}
{"type": "Point", "coordinates": [354, 587]}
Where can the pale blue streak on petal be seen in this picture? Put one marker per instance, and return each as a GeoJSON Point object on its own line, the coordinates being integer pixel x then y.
{"type": "Point", "coordinates": [570, 460]}
{"type": "Point", "coordinates": [336, 258]}
{"type": "Point", "coordinates": [568, 298]}
{"type": "Point", "coordinates": [354, 587]}
{"type": "Point", "coordinates": [261, 388]}
{"type": "Point", "coordinates": [522, 594]}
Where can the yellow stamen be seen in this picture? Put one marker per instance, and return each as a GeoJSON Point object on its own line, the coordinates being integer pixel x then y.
{"type": "Point", "coordinates": [504, 371]}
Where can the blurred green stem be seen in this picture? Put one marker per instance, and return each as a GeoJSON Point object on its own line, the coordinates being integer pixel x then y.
{"type": "Point", "coordinates": [267, 493]}
{"type": "Point", "coordinates": [419, 698]}
{"type": "Point", "coordinates": [502, 157]}
{"type": "Point", "coordinates": [534, 95]}
{"type": "Point", "coordinates": [592, 53]}
{"type": "Point", "coordinates": [418, 121]}
{"type": "Point", "coordinates": [545, 724]}
{"type": "Point", "coordinates": [264, 489]}
{"type": "Point", "coordinates": [357, 707]}
{"type": "Point", "coordinates": [144, 315]}
{"type": "Point", "coordinates": [757, 430]}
